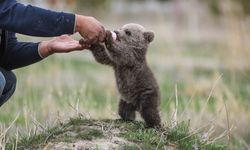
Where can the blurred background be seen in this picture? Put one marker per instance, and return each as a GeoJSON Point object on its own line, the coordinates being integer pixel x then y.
{"type": "Point", "coordinates": [200, 56]}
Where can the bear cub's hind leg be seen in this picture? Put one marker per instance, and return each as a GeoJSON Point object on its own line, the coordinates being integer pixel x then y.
{"type": "Point", "coordinates": [127, 110]}
{"type": "Point", "coordinates": [150, 113]}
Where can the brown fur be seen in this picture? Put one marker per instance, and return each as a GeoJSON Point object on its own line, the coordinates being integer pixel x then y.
{"type": "Point", "coordinates": [135, 81]}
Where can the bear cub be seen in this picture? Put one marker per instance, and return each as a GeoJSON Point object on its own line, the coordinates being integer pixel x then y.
{"type": "Point", "coordinates": [135, 81]}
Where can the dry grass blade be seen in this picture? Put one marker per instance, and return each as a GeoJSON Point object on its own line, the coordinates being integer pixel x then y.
{"type": "Point", "coordinates": [38, 124]}
{"type": "Point", "coordinates": [199, 130]}
{"type": "Point", "coordinates": [206, 136]}
{"type": "Point", "coordinates": [6, 130]}
{"type": "Point", "coordinates": [3, 133]}
{"type": "Point", "coordinates": [77, 112]}
{"type": "Point", "coordinates": [187, 107]}
{"type": "Point", "coordinates": [220, 136]}
{"type": "Point", "coordinates": [162, 135]}
{"type": "Point", "coordinates": [228, 125]}
{"type": "Point", "coordinates": [174, 117]}
{"type": "Point", "coordinates": [17, 136]}
{"type": "Point", "coordinates": [210, 94]}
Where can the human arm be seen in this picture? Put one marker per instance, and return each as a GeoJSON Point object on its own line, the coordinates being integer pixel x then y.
{"type": "Point", "coordinates": [31, 20]}
{"type": "Point", "coordinates": [35, 21]}
{"type": "Point", "coordinates": [20, 54]}
{"type": "Point", "coordinates": [60, 44]}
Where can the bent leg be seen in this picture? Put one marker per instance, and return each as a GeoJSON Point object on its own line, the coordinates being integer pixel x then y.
{"type": "Point", "coordinates": [2, 82]}
{"type": "Point", "coordinates": [127, 110]}
{"type": "Point", "coordinates": [9, 87]}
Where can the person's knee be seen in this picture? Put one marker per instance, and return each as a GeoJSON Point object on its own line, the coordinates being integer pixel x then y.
{"type": "Point", "coordinates": [12, 81]}
{"type": "Point", "coordinates": [10, 85]}
{"type": "Point", "coordinates": [12, 77]}
{"type": "Point", "coordinates": [2, 83]}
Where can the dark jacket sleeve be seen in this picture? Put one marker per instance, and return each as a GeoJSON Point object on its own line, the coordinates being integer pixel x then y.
{"type": "Point", "coordinates": [34, 21]}
{"type": "Point", "coordinates": [19, 54]}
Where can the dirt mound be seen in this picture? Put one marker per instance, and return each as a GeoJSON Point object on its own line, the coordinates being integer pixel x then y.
{"type": "Point", "coordinates": [100, 144]}
{"type": "Point", "coordinates": [84, 134]}
{"type": "Point", "coordinates": [88, 135]}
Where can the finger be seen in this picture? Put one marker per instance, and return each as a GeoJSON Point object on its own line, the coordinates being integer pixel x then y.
{"type": "Point", "coordinates": [64, 36]}
{"type": "Point", "coordinates": [82, 47]}
{"type": "Point", "coordinates": [86, 46]}
{"type": "Point", "coordinates": [77, 48]}
{"type": "Point", "coordinates": [102, 35]}
{"type": "Point", "coordinates": [92, 40]}
{"type": "Point", "coordinates": [108, 35]}
{"type": "Point", "coordinates": [82, 41]}
{"type": "Point", "coordinates": [75, 45]}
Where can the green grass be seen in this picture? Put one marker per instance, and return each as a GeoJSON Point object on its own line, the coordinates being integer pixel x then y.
{"type": "Point", "coordinates": [88, 87]}
{"type": "Point", "coordinates": [67, 85]}
{"type": "Point", "coordinates": [180, 136]}
{"type": "Point", "coordinates": [143, 138]}
{"type": "Point", "coordinates": [57, 134]}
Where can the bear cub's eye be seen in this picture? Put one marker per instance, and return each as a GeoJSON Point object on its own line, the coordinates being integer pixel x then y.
{"type": "Point", "coordinates": [128, 32]}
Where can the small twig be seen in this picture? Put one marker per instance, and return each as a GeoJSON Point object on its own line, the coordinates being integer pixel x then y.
{"type": "Point", "coordinates": [138, 146]}
{"type": "Point", "coordinates": [38, 124]}
{"type": "Point", "coordinates": [16, 139]}
{"type": "Point", "coordinates": [48, 137]}
{"type": "Point", "coordinates": [162, 134]}
{"type": "Point", "coordinates": [228, 126]}
{"type": "Point", "coordinates": [76, 109]}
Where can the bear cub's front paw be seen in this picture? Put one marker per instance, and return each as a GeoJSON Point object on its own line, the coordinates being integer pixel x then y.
{"type": "Point", "coordinates": [96, 47]}
{"type": "Point", "coordinates": [109, 39]}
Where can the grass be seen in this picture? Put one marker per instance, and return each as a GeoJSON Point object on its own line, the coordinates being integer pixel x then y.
{"type": "Point", "coordinates": [56, 134]}
{"type": "Point", "coordinates": [80, 86]}
{"type": "Point", "coordinates": [179, 137]}
{"type": "Point", "coordinates": [213, 89]}
{"type": "Point", "coordinates": [142, 138]}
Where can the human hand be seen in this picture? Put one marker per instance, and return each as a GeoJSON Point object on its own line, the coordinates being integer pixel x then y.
{"type": "Point", "coordinates": [90, 29]}
{"type": "Point", "coordinates": [60, 44]}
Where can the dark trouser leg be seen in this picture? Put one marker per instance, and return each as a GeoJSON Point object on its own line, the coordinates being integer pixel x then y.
{"type": "Point", "coordinates": [2, 83]}
{"type": "Point", "coordinates": [127, 110]}
{"type": "Point", "coordinates": [9, 78]}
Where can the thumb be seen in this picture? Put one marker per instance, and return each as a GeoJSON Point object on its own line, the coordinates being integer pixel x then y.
{"type": "Point", "coordinates": [83, 41]}
{"type": "Point", "coordinates": [82, 46]}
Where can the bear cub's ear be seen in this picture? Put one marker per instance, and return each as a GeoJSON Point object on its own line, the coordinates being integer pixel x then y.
{"type": "Point", "coordinates": [149, 36]}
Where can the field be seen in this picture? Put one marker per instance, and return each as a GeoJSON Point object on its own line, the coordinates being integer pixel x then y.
{"type": "Point", "coordinates": [203, 73]}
